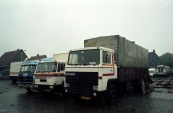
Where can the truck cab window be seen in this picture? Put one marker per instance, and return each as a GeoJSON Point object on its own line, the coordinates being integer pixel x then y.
{"type": "Point", "coordinates": [61, 67]}
{"type": "Point", "coordinates": [106, 57]}
{"type": "Point", "coordinates": [115, 58]}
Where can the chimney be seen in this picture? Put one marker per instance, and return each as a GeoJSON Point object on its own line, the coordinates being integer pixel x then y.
{"type": "Point", "coordinates": [153, 51]}
{"type": "Point", "coordinates": [37, 54]}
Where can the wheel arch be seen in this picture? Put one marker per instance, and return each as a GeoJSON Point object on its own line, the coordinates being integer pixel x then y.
{"type": "Point", "coordinates": [112, 81]}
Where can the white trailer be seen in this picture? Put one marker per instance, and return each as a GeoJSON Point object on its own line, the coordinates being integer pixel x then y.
{"type": "Point", "coordinates": [14, 71]}
{"type": "Point", "coordinates": [61, 56]}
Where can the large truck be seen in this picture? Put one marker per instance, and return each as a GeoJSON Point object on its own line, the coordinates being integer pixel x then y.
{"type": "Point", "coordinates": [26, 74]}
{"type": "Point", "coordinates": [14, 71]}
{"type": "Point", "coordinates": [106, 67]}
{"type": "Point", "coordinates": [50, 74]}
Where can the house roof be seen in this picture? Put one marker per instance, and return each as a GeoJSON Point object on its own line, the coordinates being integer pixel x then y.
{"type": "Point", "coordinates": [153, 58]}
{"type": "Point", "coordinates": [38, 57]}
{"type": "Point", "coordinates": [6, 58]}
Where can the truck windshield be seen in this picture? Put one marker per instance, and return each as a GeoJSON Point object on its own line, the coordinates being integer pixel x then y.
{"type": "Point", "coordinates": [47, 67]}
{"type": "Point", "coordinates": [27, 68]}
{"type": "Point", "coordinates": [84, 57]}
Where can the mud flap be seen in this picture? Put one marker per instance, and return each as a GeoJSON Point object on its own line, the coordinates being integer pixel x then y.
{"type": "Point", "coordinates": [147, 85]}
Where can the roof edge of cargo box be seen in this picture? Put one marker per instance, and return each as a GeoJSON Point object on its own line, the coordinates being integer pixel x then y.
{"type": "Point", "coordinates": [127, 53]}
{"type": "Point", "coordinates": [113, 36]}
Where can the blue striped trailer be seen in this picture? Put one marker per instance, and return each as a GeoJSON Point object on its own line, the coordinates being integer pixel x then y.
{"type": "Point", "coordinates": [162, 70]}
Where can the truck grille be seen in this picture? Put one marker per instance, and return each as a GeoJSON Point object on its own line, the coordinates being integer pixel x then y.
{"type": "Point", "coordinates": [82, 80]}
{"type": "Point", "coordinates": [28, 78]}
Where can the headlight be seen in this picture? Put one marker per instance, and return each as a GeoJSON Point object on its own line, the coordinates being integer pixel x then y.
{"type": "Point", "coordinates": [95, 87]}
{"type": "Point", "coordinates": [67, 85]}
{"type": "Point", "coordinates": [51, 87]}
{"type": "Point", "coordinates": [94, 94]}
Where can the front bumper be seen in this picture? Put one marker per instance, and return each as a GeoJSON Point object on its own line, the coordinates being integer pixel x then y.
{"type": "Point", "coordinates": [84, 93]}
{"type": "Point", "coordinates": [48, 88]}
{"type": "Point", "coordinates": [26, 85]}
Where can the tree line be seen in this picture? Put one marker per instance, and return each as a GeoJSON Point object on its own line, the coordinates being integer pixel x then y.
{"type": "Point", "coordinates": [167, 59]}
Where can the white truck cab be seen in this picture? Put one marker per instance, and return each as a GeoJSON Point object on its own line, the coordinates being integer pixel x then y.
{"type": "Point", "coordinates": [49, 75]}
{"type": "Point", "coordinates": [88, 71]}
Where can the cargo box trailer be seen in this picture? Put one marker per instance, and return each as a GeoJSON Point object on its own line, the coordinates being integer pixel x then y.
{"type": "Point", "coordinates": [105, 67]}
{"type": "Point", "coordinates": [14, 71]}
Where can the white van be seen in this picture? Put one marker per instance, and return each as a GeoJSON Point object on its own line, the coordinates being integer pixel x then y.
{"type": "Point", "coordinates": [151, 71]}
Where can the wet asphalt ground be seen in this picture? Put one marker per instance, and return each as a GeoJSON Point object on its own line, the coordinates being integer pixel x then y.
{"type": "Point", "coordinates": [15, 100]}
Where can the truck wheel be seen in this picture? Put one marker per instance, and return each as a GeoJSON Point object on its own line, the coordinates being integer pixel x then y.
{"type": "Point", "coordinates": [111, 94]}
{"type": "Point", "coordinates": [14, 81]}
{"type": "Point", "coordinates": [29, 90]}
{"type": "Point", "coordinates": [137, 86]}
{"type": "Point", "coordinates": [63, 91]}
{"type": "Point", "coordinates": [77, 98]}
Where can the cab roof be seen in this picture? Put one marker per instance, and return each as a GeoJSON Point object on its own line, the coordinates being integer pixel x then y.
{"type": "Point", "coordinates": [30, 62]}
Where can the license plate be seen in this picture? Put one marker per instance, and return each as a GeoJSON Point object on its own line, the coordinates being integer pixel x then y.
{"type": "Point", "coordinates": [23, 86]}
{"type": "Point", "coordinates": [46, 90]}
{"type": "Point", "coordinates": [85, 98]}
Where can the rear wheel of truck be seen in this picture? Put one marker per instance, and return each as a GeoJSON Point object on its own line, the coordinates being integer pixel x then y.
{"type": "Point", "coordinates": [111, 94]}
{"type": "Point", "coordinates": [137, 86]}
{"type": "Point", "coordinates": [29, 90]}
{"type": "Point", "coordinates": [66, 95]}
{"type": "Point", "coordinates": [14, 81]}
{"type": "Point", "coordinates": [77, 98]}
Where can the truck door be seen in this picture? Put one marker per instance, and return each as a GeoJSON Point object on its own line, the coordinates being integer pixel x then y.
{"type": "Point", "coordinates": [107, 67]}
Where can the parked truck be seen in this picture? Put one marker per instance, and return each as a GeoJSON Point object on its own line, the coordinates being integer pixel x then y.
{"type": "Point", "coordinates": [50, 74]}
{"type": "Point", "coordinates": [106, 67]}
{"type": "Point", "coordinates": [162, 70]}
{"type": "Point", "coordinates": [26, 74]}
{"type": "Point", "coordinates": [14, 71]}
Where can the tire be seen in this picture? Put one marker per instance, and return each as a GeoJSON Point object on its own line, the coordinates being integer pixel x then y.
{"type": "Point", "coordinates": [63, 91]}
{"type": "Point", "coordinates": [66, 95]}
{"type": "Point", "coordinates": [77, 98]}
{"type": "Point", "coordinates": [14, 81]}
{"type": "Point", "coordinates": [111, 95]}
{"type": "Point", "coordinates": [137, 86]}
{"type": "Point", "coordinates": [29, 90]}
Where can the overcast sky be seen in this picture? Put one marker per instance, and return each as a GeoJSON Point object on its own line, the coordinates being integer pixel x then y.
{"type": "Point", "coordinates": [56, 26]}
